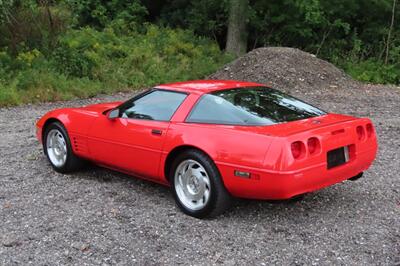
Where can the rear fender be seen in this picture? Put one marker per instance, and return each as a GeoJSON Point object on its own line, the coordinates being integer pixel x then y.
{"type": "Point", "coordinates": [223, 145]}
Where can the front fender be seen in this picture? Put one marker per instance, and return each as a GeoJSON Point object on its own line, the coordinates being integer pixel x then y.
{"type": "Point", "coordinates": [77, 123]}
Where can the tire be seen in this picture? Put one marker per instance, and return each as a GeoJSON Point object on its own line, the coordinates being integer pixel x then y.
{"type": "Point", "coordinates": [197, 185]}
{"type": "Point", "coordinates": [60, 156]}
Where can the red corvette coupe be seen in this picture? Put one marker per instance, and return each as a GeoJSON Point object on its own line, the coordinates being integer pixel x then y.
{"type": "Point", "coordinates": [211, 140]}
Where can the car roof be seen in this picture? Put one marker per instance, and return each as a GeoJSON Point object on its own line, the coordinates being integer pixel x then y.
{"type": "Point", "coordinates": [205, 86]}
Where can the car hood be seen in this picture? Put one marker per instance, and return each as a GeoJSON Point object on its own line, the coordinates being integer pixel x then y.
{"type": "Point", "coordinates": [101, 107]}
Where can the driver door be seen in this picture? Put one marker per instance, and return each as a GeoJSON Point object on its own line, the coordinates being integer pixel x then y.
{"type": "Point", "coordinates": [133, 142]}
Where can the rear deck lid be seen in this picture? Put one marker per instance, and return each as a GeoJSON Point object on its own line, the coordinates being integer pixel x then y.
{"type": "Point", "coordinates": [294, 127]}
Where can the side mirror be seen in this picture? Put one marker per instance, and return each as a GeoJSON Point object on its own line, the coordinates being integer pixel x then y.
{"type": "Point", "coordinates": [114, 113]}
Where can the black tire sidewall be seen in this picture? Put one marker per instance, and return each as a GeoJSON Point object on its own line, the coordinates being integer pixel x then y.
{"type": "Point", "coordinates": [56, 125]}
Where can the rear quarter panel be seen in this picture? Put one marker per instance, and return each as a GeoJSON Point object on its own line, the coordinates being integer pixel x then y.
{"type": "Point", "coordinates": [224, 145]}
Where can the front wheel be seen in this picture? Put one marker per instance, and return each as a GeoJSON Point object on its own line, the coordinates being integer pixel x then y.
{"type": "Point", "coordinates": [197, 185]}
{"type": "Point", "coordinates": [57, 147]}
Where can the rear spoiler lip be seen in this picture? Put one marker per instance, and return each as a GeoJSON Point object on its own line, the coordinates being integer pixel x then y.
{"type": "Point", "coordinates": [322, 126]}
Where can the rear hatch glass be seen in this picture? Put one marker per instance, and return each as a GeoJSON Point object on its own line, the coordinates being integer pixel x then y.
{"type": "Point", "coordinates": [258, 106]}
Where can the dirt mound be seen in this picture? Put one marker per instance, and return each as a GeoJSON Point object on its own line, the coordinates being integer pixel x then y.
{"type": "Point", "coordinates": [287, 69]}
{"type": "Point", "coordinates": [311, 79]}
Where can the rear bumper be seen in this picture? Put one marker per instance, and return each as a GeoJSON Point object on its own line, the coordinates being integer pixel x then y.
{"type": "Point", "coordinates": [264, 184]}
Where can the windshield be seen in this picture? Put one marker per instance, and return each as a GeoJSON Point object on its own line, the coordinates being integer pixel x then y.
{"type": "Point", "coordinates": [250, 106]}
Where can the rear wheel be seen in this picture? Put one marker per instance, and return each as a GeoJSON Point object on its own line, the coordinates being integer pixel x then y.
{"type": "Point", "coordinates": [197, 185]}
{"type": "Point", "coordinates": [57, 147]}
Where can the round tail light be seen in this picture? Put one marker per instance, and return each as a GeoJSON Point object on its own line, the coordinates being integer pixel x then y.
{"type": "Point", "coordinates": [313, 145]}
{"type": "Point", "coordinates": [297, 149]}
{"type": "Point", "coordinates": [370, 130]}
{"type": "Point", "coordinates": [360, 132]}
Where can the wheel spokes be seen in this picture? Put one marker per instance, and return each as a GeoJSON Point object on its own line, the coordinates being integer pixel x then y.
{"type": "Point", "coordinates": [192, 184]}
{"type": "Point", "coordinates": [56, 148]}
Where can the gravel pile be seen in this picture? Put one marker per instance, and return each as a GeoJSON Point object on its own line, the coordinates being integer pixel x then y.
{"type": "Point", "coordinates": [286, 69]}
{"type": "Point", "coordinates": [105, 218]}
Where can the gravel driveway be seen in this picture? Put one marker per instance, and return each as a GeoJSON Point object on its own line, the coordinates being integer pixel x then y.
{"type": "Point", "coordinates": [102, 217]}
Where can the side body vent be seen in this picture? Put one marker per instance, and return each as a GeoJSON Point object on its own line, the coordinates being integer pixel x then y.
{"type": "Point", "coordinates": [79, 145]}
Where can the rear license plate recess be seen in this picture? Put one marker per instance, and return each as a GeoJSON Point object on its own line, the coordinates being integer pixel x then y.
{"type": "Point", "coordinates": [337, 157]}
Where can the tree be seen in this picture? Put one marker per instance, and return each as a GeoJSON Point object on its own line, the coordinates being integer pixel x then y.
{"type": "Point", "coordinates": [236, 40]}
{"type": "Point", "coordinates": [390, 32]}
{"type": "Point", "coordinates": [100, 13]}
{"type": "Point", "coordinates": [5, 10]}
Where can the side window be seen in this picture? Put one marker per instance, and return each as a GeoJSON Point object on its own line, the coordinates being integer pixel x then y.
{"type": "Point", "coordinates": [158, 105]}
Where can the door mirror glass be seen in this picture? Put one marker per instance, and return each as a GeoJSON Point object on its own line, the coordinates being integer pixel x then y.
{"type": "Point", "coordinates": [114, 113]}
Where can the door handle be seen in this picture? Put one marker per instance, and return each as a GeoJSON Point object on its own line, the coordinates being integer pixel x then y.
{"type": "Point", "coordinates": [156, 132]}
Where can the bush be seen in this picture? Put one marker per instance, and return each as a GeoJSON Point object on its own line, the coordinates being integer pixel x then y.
{"type": "Point", "coordinates": [373, 71]}
{"type": "Point", "coordinates": [99, 14]}
{"type": "Point", "coordinates": [87, 62]}
{"type": "Point", "coordinates": [141, 59]}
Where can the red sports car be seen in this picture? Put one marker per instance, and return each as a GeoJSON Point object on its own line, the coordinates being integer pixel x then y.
{"type": "Point", "coordinates": [211, 140]}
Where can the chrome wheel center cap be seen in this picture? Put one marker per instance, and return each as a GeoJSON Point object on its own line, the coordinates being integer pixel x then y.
{"type": "Point", "coordinates": [194, 184]}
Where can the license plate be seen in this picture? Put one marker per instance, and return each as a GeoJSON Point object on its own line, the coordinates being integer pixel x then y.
{"type": "Point", "coordinates": [338, 157]}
